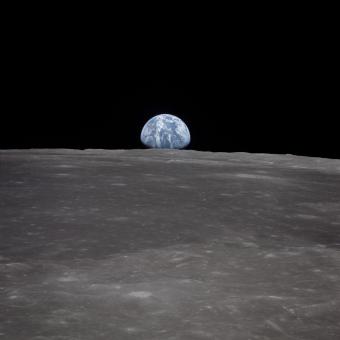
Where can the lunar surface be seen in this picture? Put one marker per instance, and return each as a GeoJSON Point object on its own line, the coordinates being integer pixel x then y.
{"type": "Point", "coordinates": [168, 244]}
{"type": "Point", "coordinates": [165, 132]}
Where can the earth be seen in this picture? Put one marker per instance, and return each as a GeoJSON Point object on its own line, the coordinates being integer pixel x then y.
{"type": "Point", "coordinates": [165, 131]}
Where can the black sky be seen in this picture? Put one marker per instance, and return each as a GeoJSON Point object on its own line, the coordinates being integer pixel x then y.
{"type": "Point", "coordinates": [260, 88]}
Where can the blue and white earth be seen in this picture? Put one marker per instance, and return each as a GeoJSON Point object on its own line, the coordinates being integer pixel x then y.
{"type": "Point", "coordinates": [165, 131]}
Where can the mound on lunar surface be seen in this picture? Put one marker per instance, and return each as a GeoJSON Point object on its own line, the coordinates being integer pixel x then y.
{"type": "Point", "coordinates": [167, 244]}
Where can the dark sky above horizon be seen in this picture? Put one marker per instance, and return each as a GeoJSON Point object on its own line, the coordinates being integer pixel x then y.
{"type": "Point", "coordinates": [255, 92]}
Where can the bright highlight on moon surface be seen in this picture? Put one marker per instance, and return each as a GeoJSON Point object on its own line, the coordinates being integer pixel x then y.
{"type": "Point", "coordinates": [165, 131]}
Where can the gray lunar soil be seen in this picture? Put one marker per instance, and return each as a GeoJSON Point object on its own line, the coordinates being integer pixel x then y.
{"type": "Point", "coordinates": [166, 244]}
